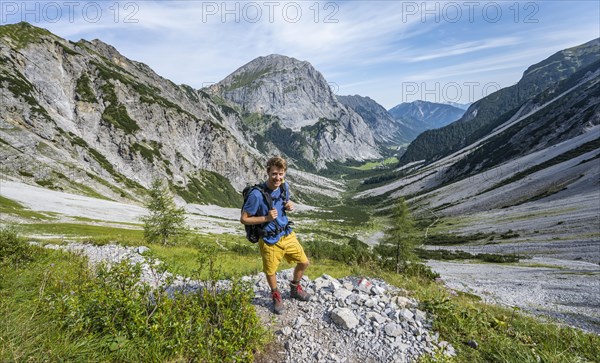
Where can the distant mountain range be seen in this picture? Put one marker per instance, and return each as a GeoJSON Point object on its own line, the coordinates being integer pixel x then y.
{"type": "Point", "coordinates": [386, 130]}
{"type": "Point", "coordinates": [404, 122]}
{"type": "Point", "coordinates": [419, 116]}
{"type": "Point", "coordinates": [79, 116]}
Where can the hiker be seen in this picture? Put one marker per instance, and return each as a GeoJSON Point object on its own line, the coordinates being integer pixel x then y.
{"type": "Point", "coordinates": [277, 240]}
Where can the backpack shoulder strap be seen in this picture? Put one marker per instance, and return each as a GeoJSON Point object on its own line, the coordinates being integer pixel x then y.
{"type": "Point", "coordinates": [283, 188]}
{"type": "Point", "coordinates": [266, 195]}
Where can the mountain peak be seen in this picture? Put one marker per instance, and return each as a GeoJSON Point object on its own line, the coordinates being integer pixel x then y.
{"type": "Point", "coordinates": [297, 97]}
{"type": "Point", "coordinates": [281, 86]}
{"type": "Point", "coordinates": [22, 34]}
{"type": "Point", "coordinates": [276, 58]}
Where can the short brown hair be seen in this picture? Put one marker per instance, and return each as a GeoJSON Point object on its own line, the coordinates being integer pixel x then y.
{"type": "Point", "coordinates": [278, 162]}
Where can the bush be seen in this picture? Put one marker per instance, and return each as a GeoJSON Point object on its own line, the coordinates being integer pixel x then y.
{"type": "Point", "coordinates": [244, 249]}
{"type": "Point", "coordinates": [338, 252]}
{"type": "Point", "coordinates": [14, 250]}
{"type": "Point", "coordinates": [138, 323]}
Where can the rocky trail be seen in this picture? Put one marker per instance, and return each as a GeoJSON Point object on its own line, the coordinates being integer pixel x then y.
{"type": "Point", "coordinates": [347, 320]}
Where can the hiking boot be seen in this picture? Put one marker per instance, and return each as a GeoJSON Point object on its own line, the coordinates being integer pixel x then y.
{"type": "Point", "coordinates": [297, 293]}
{"type": "Point", "coordinates": [277, 303]}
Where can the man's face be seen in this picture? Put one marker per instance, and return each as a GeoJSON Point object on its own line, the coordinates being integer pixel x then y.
{"type": "Point", "coordinates": [276, 177]}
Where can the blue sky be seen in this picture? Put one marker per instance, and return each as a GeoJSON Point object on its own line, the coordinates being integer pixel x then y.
{"type": "Point", "coordinates": [391, 51]}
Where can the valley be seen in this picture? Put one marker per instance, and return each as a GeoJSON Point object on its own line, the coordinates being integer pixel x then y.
{"type": "Point", "coordinates": [502, 198]}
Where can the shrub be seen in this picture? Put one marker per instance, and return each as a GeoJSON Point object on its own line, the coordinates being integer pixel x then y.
{"type": "Point", "coordinates": [14, 250]}
{"type": "Point", "coordinates": [138, 323]}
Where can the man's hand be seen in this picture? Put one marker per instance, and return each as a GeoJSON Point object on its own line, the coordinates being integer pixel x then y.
{"type": "Point", "coordinates": [289, 205]}
{"type": "Point", "coordinates": [272, 215]}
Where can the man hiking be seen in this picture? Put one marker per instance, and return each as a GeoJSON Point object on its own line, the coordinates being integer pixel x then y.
{"type": "Point", "coordinates": [277, 238]}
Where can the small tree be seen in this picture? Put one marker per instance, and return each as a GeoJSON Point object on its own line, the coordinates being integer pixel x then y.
{"type": "Point", "coordinates": [165, 220]}
{"type": "Point", "coordinates": [397, 247]}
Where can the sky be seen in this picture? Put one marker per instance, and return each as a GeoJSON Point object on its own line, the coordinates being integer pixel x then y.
{"type": "Point", "coordinates": [390, 51]}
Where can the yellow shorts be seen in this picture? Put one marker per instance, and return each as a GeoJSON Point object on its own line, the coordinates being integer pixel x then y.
{"type": "Point", "coordinates": [288, 247]}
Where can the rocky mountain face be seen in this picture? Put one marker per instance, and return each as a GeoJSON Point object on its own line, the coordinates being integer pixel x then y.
{"type": "Point", "coordinates": [81, 117]}
{"type": "Point", "coordinates": [561, 113]}
{"type": "Point", "coordinates": [386, 130]}
{"type": "Point", "coordinates": [485, 115]}
{"type": "Point", "coordinates": [419, 116]}
{"type": "Point", "coordinates": [291, 108]}
{"type": "Point", "coordinates": [531, 180]}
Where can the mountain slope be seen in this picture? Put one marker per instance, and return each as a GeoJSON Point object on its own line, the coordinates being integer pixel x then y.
{"type": "Point", "coordinates": [291, 107]}
{"type": "Point", "coordinates": [81, 117]}
{"type": "Point", "coordinates": [486, 114]}
{"type": "Point", "coordinates": [533, 179]}
{"type": "Point", "coordinates": [386, 129]}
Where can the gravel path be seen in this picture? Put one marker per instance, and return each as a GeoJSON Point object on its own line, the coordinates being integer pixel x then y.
{"type": "Point", "coordinates": [347, 320]}
{"type": "Point", "coordinates": [568, 291]}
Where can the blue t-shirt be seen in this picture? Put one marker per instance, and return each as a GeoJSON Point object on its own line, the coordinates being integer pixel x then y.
{"type": "Point", "coordinates": [256, 206]}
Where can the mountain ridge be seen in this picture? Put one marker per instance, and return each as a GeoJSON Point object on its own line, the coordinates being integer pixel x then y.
{"type": "Point", "coordinates": [478, 119]}
{"type": "Point", "coordinates": [114, 121]}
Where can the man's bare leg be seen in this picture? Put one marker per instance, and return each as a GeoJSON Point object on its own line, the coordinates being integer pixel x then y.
{"type": "Point", "coordinates": [299, 270]}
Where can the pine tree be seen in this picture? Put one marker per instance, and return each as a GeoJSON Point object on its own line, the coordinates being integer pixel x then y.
{"type": "Point", "coordinates": [397, 247]}
{"type": "Point", "coordinates": [164, 220]}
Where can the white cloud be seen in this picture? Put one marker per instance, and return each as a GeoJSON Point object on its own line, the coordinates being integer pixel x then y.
{"type": "Point", "coordinates": [366, 47]}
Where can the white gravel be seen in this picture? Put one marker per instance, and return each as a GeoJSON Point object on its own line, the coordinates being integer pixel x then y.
{"type": "Point", "coordinates": [568, 291]}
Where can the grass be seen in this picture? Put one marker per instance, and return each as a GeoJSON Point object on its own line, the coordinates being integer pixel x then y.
{"type": "Point", "coordinates": [183, 260]}
{"type": "Point", "coordinates": [538, 265]}
{"type": "Point", "coordinates": [24, 333]}
{"type": "Point", "coordinates": [212, 327]}
{"type": "Point", "coordinates": [208, 187]}
{"type": "Point", "coordinates": [22, 34]}
{"type": "Point", "coordinates": [503, 334]}
{"type": "Point", "coordinates": [389, 162]}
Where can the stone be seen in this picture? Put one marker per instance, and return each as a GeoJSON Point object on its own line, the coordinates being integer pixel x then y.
{"type": "Point", "coordinates": [420, 315]}
{"type": "Point", "coordinates": [286, 330]}
{"type": "Point", "coordinates": [352, 298]}
{"type": "Point", "coordinates": [393, 330]}
{"type": "Point", "coordinates": [142, 249]}
{"type": "Point", "coordinates": [299, 322]}
{"type": "Point", "coordinates": [472, 343]}
{"type": "Point", "coordinates": [321, 283]}
{"type": "Point", "coordinates": [406, 314]}
{"type": "Point", "coordinates": [342, 294]}
{"type": "Point", "coordinates": [375, 317]}
{"type": "Point", "coordinates": [370, 303]}
{"type": "Point", "coordinates": [447, 348]}
{"type": "Point", "coordinates": [402, 302]}
{"type": "Point", "coordinates": [345, 318]}
{"type": "Point", "coordinates": [377, 290]}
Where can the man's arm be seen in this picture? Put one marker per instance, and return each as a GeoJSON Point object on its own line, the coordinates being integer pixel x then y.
{"type": "Point", "coordinates": [247, 219]}
{"type": "Point", "coordinates": [288, 205]}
